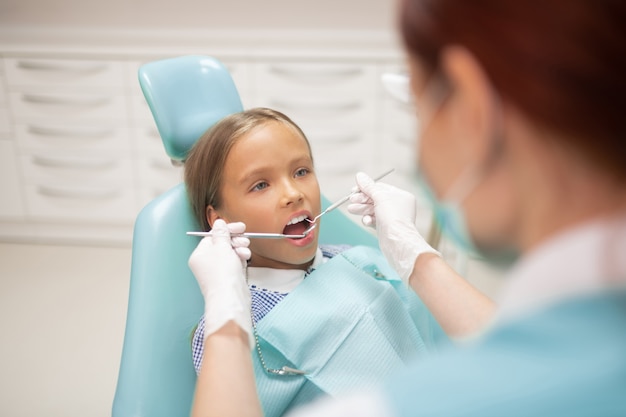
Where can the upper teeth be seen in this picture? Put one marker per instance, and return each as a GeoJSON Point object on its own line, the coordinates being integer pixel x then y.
{"type": "Point", "coordinates": [297, 219]}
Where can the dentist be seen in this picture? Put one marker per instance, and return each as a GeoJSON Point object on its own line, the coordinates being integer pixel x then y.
{"type": "Point", "coordinates": [523, 150]}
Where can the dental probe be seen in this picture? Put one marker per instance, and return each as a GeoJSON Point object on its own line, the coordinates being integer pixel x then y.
{"type": "Point", "coordinates": [347, 197]}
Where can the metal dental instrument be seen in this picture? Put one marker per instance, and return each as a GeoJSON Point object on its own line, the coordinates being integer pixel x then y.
{"type": "Point", "coordinates": [344, 199]}
{"type": "Point", "coordinates": [253, 235]}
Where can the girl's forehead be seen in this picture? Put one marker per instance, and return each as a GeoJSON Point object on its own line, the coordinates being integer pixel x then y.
{"type": "Point", "coordinates": [273, 134]}
{"type": "Point", "coordinates": [268, 145]}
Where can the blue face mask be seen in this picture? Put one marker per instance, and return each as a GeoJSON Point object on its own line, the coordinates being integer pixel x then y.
{"type": "Point", "coordinates": [448, 211]}
{"type": "Point", "coordinates": [450, 217]}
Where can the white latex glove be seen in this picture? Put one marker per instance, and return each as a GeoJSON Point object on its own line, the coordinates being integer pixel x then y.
{"type": "Point", "coordinates": [392, 211]}
{"type": "Point", "coordinates": [219, 263]}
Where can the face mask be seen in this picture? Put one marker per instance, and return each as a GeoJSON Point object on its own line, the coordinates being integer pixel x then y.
{"type": "Point", "coordinates": [449, 216]}
{"type": "Point", "coordinates": [448, 211]}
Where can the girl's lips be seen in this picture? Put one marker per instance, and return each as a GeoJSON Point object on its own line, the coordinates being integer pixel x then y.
{"type": "Point", "coordinates": [305, 241]}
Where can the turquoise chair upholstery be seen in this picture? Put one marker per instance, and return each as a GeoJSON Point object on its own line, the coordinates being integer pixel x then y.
{"type": "Point", "coordinates": [186, 96]}
{"type": "Point", "coordinates": [156, 376]}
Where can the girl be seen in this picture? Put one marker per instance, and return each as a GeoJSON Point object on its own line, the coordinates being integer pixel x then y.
{"type": "Point", "coordinates": [323, 319]}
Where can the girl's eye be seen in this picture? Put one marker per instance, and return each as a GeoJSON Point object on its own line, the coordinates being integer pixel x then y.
{"type": "Point", "coordinates": [260, 186]}
{"type": "Point", "coordinates": [302, 172]}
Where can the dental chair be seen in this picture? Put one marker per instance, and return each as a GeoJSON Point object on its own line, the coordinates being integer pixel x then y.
{"type": "Point", "coordinates": [156, 378]}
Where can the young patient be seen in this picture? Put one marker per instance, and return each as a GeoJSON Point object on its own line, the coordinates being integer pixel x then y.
{"type": "Point", "coordinates": [338, 314]}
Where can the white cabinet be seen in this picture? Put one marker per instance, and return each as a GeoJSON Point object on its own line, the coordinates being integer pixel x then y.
{"type": "Point", "coordinates": [71, 127]}
{"type": "Point", "coordinates": [11, 199]}
{"type": "Point", "coordinates": [5, 122]}
{"type": "Point", "coordinates": [11, 204]}
{"type": "Point", "coordinates": [79, 187]}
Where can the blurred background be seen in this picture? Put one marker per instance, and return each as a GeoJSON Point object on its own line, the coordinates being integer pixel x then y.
{"type": "Point", "coordinates": [80, 156]}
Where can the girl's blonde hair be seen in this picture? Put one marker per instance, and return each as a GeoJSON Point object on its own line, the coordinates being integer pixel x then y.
{"type": "Point", "coordinates": [204, 166]}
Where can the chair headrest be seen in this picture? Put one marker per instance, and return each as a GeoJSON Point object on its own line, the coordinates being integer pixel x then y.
{"type": "Point", "coordinates": [187, 95]}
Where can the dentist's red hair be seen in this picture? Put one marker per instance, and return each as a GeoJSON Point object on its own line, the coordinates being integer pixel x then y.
{"type": "Point", "coordinates": [561, 62]}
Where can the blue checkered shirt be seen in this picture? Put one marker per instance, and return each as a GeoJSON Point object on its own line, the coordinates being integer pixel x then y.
{"type": "Point", "coordinates": [263, 300]}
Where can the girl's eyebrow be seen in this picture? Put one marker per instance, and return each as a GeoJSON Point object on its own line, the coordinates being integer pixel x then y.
{"type": "Point", "coordinates": [263, 170]}
{"type": "Point", "coordinates": [254, 173]}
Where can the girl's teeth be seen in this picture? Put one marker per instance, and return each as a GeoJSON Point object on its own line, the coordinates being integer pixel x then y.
{"type": "Point", "coordinates": [297, 220]}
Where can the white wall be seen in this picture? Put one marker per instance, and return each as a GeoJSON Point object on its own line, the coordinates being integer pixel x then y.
{"type": "Point", "coordinates": [207, 14]}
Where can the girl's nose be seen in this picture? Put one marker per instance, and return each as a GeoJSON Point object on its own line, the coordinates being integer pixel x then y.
{"type": "Point", "coordinates": [292, 193]}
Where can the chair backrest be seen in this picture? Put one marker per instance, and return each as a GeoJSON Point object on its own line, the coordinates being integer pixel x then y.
{"type": "Point", "coordinates": [156, 376]}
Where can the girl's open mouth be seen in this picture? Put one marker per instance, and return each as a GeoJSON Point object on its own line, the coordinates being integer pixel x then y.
{"type": "Point", "coordinates": [297, 225]}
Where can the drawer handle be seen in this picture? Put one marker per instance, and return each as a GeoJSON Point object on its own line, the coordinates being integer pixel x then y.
{"type": "Point", "coordinates": [318, 107]}
{"type": "Point", "coordinates": [90, 165]}
{"type": "Point", "coordinates": [57, 67]}
{"type": "Point", "coordinates": [74, 194]}
{"type": "Point", "coordinates": [66, 101]}
{"type": "Point", "coordinates": [316, 73]}
{"type": "Point", "coordinates": [58, 132]}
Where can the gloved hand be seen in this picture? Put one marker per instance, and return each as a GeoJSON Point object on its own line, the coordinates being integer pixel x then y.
{"type": "Point", "coordinates": [392, 211]}
{"type": "Point", "coordinates": [219, 263]}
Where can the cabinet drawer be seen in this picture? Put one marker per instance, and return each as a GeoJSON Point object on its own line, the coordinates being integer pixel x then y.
{"type": "Point", "coordinates": [339, 137]}
{"type": "Point", "coordinates": [3, 92]}
{"type": "Point", "coordinates": [5, 121]}
{"type": "Point", "coordinates": [336, 185]}
{"type": "Point", "coordinates": [315, 78]}
{"type": "Point", "coordinates": [77, 169]}
{"type": "Point", "coordinates": [139, 110]}
{"type": "Point", "coordinates": [399, 115]}
{"type": "Point", "coordinates": [344, 158]}
{"type": "Point", "coordinates": [341, 113]}
{"type": "Point", "coordinates": [158, 172]}
{"type": "Point", "coordinates": [76, 106]}
{"type": "Point", "coordinates": [56, 137]}
{"type": "Point", "coordinates": [399, 147]}
{"type": "Point", "coordinates": [240, 72]}
{"type": "Point", "coordinates": [148, 141]}
{"type": "Point", "coordinates": [67, 74]}
{"type": "Point", "coordinates": [97, 204]}
{"type": "Point", "coordinates": [11, 205]}
{"type": "Point", "coordinates": [337, 164]}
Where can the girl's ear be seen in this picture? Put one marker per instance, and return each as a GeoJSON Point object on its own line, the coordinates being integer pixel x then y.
{"type": "Point", "coordinates": [211, 215]}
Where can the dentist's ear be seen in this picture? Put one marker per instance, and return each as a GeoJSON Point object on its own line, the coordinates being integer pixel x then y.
{"type": "Point", "coordinates": [476, 106]}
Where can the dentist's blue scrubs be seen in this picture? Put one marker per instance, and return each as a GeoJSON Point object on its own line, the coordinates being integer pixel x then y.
{"type": "Point", "coordinates": [557, 347]}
